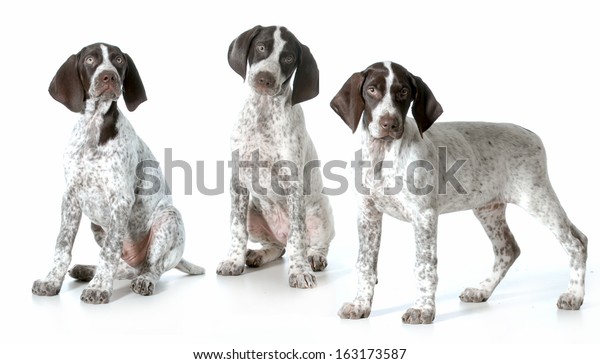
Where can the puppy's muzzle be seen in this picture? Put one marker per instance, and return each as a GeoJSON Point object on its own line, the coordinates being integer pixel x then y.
{"type": "Point", "coordinates": [391, 126]}
{"type": "Point", "coordinates": [107, 85]}
{"type": "Point", "coordinates": [264, 83]}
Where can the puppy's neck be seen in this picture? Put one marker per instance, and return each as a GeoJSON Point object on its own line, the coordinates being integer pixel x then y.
{"type": "Point", "coordinates": [266, 114]}
{"type": "Point", "coordinates": [280, 100]}
{"type": "Point", "coordinates": [95, 107]}
{"type": "Point", "coordinates": [394, 153]}
{"type": "Point", "coordinates": [379, 149]}
{"type": "Point", "coordinates": [376, 149]}
{"type": "Point", "coordinates": [100, 122]}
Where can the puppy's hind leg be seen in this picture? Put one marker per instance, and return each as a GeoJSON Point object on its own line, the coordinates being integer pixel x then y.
{"type": "Point", "coordinates": [82, 272]}
{"type": "Point", "coordinates": [85, 273]}
{"type": "Point", "coordinates": [544, 205]}
{"type": "Point", "coordinates": [506, 251]}
{"type": "Point", "coordinates": [260, 257]}
{"type": "Point", "coordinates": [259, 231]}
{"type": "Point", "coordinates": [165, 251]}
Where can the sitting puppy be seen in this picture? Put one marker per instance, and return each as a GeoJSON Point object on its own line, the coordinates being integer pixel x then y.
{"type": "Point", "coordinates": [270, 139]}
{"type": "Point", "coordinates": [140, 233]}
{"type": "Point", "coordinates": [503, 163]}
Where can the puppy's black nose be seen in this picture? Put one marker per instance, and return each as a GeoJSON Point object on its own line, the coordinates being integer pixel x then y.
{"type": "Point", "coordinates": [107, 76]}
{"type": "Point", "coordinates": [265, 79]}
{"type": "Point", "coordinates": [389, 123]}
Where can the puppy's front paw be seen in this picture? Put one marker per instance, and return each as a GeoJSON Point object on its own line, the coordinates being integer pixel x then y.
{"type": "Point", "coordinates": [302, 280]}
{"type": "Point", "coordinates": [569, 301]}
{"type": "Point", "coordinates": [142, 286]}
{"type": "Point", "coordinates": [43, 287]}
{"type": "Point", "coordinates": [317, 262]}
{"type": "Point", "coordinates": [418, 316]}
{"type": "Point", "coordinates": [355, 310]}
{"type": "Point", "coordinates": [474, 295]}
{"type": "Point", "coordinates": [230, 267]}
{"type": "Point", "coordinates": [95, 296]}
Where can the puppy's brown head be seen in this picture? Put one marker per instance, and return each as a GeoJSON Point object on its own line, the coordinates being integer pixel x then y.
{"type": "Point", "coordinates": [382, 94]}
{"type": "Point", "coordinates": [273, 55]}
{"type": "Point", "coordinates": [99, 71]}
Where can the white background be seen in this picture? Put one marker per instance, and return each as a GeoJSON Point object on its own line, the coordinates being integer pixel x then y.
{"type": "Point", "coordinates": [531, 63]}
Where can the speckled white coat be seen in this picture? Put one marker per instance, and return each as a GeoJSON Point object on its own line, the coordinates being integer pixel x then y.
{"type": "Point", "coordinates": [492, 165]}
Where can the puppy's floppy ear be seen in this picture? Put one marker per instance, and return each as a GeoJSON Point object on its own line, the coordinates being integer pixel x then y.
{"type": "Point", "coordinates": [348, 102]}
{"type": "Point", "coordinates": [425, 108]}
{"type": "Point", "coordinates": [237, 56]}
{"type": "Point", "coordinates": [66, 86]}
{"type": "Point", "coordinates": [306, 80]}
{"type": "Point", "coordinates": [133, 88]}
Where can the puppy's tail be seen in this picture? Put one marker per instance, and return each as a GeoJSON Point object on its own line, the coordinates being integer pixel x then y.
{"type": "Point", "coordinates": [189, 268]}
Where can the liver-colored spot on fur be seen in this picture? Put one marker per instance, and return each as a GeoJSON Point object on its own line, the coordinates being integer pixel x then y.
{"type": "Point", "coordinates": [108, 130]}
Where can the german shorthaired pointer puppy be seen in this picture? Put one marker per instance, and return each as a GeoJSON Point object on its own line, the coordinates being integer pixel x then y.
{"type": "Point", "coordinates": [141, 235]}
{"type": "Point", "coordinates": [492, 165]}
{"type": "Point", "coordinates": [274, 150]}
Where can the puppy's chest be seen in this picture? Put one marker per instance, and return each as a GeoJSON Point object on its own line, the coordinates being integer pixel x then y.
{"type": "Point", "coordinates": [389, 195]}
{"type": "Point", "coordinates": [97, 175]}
{"type": "Point", "coordinates": [264, 126]}
{"type": "Point", "coordinates": [88, 180]}
{"type": "Point", "coordinates": [390, 187]}
{"type": "Point", "coordinates": [263, 140]}
{"type": "Point", "coordinates": [268, 143]}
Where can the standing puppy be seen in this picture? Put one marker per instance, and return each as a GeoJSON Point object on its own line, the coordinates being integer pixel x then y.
{"type": "Point", "coordinates": [503, 163]}
{"type": "Point", "coordinates": [139, 230]}
{"type": "Point", "coordinates": [275, 194]}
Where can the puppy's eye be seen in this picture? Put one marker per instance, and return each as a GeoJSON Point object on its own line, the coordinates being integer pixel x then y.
{"type": "Point", "coordinates": [371, 90]}
{"type": "Point", "coordinates": [119, 60]}
{"type": "Point", "coordinates": [89, 60]}
{"type": "Point", "coordinates": [288, 59]}
{"type": "Point", "coordinates": [260, 47]}
{"type": "Point", "coordinates": [401, 95]}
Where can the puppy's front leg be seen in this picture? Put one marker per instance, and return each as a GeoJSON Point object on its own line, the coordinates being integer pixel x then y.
{"type": "Point", "coordinates": [369, 234]}
{"type": "Point", "coordinates": [236, 259]}
{"type": "Point", "coordinates": [70, 219]}
{"type": "Point", "coordinates": [300, 273]}
{"type": "Point", "coordinates": [100, 287]}
{"type": "Point", "coordinates": [425, 226]}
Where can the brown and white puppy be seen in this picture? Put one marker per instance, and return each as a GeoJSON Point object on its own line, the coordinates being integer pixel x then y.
{"type": "Point", "coordinates": [139, 231]}
{"type": "Point", "coordinates": [412, 162]}
{"type": "Point", "coordinates": [270, 139]}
